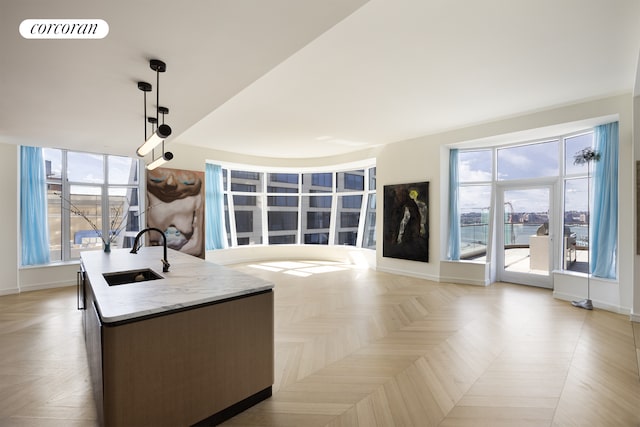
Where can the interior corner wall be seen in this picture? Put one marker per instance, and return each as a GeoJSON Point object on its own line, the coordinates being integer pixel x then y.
{"type": "Point", "coordinates": [9, 218]}
{"type": "Point", "coordinates": [635, 310]}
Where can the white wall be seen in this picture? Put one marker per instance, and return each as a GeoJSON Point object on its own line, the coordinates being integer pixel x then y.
{"type": "Point", "coordinates": [9, 219]}
{"type": "Point", "coordinates": [406, 162]}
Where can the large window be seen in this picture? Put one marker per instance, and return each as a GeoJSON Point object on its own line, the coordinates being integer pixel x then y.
{"type": "Point", "coordinates": [551, 161]}
{"type": "Point", "coordinates": [90, 197]}
{"type": "Point", "coordinates": [319, 208]}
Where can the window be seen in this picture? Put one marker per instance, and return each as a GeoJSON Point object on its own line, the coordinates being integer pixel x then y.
{"type": "Point", "coordinates": [317, 220]}
{"type": "Point", "coordinates": [244, 221]}
{"type": "Point", "coordinates": [317, 182]}
{"type": "Point", "coordinates": [475, 171]}
{"type": "Point", "coordinates": [577, 204]}
{"type": "Point", "coordinates": [528, 161]}
{"type": "Point", "coordinates": [474, 220]}
{"type": "Point", "coordinates": [89, 196]}
{"type": "Point", "coordinates": [349, 208]}
{"type": "Point", "coordinates": [369, 234]}
{"type": "Point", "coordinates": [369, 237]}
{"type": "Point", "coordinates": [290, 178]}
{"type": "Point", "coordinates": [283, 221]}
{"type": "Point", "coordinates": [551, 161]}
{"type": "Point", "coordinates": [319, 201]}
{"type": "Point", "coordinates": [282, 201]}
{"type": "Point", "coordinates": [348, 181]}
{"type": "Point", "coordinates": [243, 187]}
{"type": "Point", "coordinates": [242, 175]}
{"type": "Point", "coordinates": [309, 207]}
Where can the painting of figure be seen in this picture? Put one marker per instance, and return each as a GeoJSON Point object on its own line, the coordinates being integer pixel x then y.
{"type": "Point", "coordinates": [406, 221]}
{"type": "Point", "coordinates": [175, 204]}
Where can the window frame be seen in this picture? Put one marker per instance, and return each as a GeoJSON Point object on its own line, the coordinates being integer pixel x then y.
{"type": "Point", "coordinates": [335, 193]}
{"type": "Point", "coordinates": [557, 181]}
{"type": "Point", "coordinates": [66, 250]}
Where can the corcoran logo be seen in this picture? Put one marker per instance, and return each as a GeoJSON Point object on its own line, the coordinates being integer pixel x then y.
{"type": "Point", "coordinates": [64, 29]}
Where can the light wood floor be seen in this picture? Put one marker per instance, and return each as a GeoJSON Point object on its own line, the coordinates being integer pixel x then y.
{"type": "Point", "coordinates": [363, 348]}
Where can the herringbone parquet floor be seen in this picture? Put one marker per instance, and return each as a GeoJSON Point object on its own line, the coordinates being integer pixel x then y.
{"type": "Point", "coordinates": [363, 348]}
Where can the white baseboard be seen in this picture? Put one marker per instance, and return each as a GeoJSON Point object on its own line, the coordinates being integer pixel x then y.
{"type": "Point", "coordinates": [51, 285]}
{"type": "Point", "coordinates": [596, 303]}
{"type": "Point", "coordinates": [9, 291]}
{"type": "Point", "coordinates": [37, 287]}
{"type": "Point", "coordinates": [408, 273]}
{"type": "Point", "coordinates": [462, 281]}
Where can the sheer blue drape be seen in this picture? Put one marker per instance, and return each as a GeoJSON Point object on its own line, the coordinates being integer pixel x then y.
{"type": "Point", "coordinates": [33, 207]}
{"type": "Point", "coordinates": [454, 213]}
{"type": "Point", "coordinates": [216, 236]}
{"type": "Point", "coordinates": [605, 203]}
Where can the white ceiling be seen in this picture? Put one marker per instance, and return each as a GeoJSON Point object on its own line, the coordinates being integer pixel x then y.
{"type": "Point", "coordinates": [313, 78]}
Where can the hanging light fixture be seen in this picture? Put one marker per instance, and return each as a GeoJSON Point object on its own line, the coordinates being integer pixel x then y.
{"type": "Point", "coordinates": [162, 131]}
{"type": "Point", "coordinates": [166, 155]}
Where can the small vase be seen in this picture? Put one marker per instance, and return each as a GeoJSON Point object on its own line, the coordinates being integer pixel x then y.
{"type": "Point", "coordinates": [107, 247]}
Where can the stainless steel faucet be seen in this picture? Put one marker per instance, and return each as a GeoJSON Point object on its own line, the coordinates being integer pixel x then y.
{"type": "Point", "coordinates": [134, 250]}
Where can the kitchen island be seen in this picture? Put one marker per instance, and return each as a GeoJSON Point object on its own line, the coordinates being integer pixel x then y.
{"type": "Point", "coordinates": [191, 346]}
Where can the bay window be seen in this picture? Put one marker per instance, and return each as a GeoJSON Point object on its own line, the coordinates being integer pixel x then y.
{"type": "Point", "coordinates": [316, 207]}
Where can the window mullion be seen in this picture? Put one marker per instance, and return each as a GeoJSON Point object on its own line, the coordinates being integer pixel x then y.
{"type": "Point", "coordinates": [299, 231]}
{"type": "Point", "coordinates": [232, 216]}
{"type": "Point", "coordinates": [265, 207]}
{"type": "Point", "coordinates": [333, 219]}
{"type": "Point", "coordinates": [66, 209]}
{"type": "Point", "coordinates": [106, 223]}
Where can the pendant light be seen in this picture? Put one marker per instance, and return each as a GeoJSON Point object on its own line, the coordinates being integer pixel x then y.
{"type": "Point", "coordinates": [162, 131]}
{"type": "Point", "coordinates": [166, 155]}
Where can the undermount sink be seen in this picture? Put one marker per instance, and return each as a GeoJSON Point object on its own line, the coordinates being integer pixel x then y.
{"type": "Point", "coordinates": [131, 276]}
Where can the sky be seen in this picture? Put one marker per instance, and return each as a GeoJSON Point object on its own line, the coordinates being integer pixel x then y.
{"type": "Point", "coordinates": [530, 161]}
{"type": "Point", "coordinates": [88, 168]}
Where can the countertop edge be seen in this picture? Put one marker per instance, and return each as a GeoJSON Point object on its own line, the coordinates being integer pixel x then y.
{"type": "Point", "coordinates": [191, 282]}
{"type": "Point", "coordinates": [167, 310]}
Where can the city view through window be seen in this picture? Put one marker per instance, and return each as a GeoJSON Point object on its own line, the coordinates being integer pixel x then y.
{"type": "Point", "coordinates": [319, 208]}
{"type": "Point", "coordinates": [483, 172]}
{"type": "Point", "coordinates": [90, 198]}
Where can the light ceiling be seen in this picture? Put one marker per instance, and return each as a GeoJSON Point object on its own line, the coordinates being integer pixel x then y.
{"type": "Point", "coordinates": [303, 79]}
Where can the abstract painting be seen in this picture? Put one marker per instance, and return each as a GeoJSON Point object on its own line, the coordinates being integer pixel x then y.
{"type": "Point", "coordinates": [406, 221]}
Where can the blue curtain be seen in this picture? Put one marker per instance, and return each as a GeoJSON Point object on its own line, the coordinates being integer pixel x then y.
{"type": "Point", "coordinates": [454, 213]}
{"type": "Point", "coordinates": [216, 236]}
{"type": "Point", "coordinates": [33, 207]}
{"type": "Point", "coordinates": [605, 202]}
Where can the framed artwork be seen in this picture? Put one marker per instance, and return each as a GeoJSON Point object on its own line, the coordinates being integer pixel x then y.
{"type": "Point", "coordinates": [405, 224]}
{"type": "Point", "coordinates": [175, 204]}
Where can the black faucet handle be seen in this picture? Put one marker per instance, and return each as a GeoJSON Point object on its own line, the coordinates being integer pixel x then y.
{"type": "Point", "coordinates": [165, 265]}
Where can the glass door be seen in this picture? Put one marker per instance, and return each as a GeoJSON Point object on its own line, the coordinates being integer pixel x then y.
{"type": "Point", "coordinates": [525, 254]}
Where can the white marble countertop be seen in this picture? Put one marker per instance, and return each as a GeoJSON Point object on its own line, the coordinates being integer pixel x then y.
{"type": "Point", "coordinates": [190, 281]}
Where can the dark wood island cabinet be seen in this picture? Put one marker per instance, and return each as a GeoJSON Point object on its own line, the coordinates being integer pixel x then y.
{"type": "Point", "coordinates": [194, 347]}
